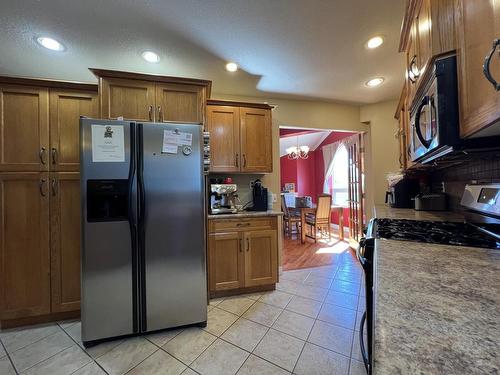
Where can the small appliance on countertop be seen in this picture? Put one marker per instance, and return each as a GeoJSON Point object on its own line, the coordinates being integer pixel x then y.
{"type": "Point", "coordinates": [222, 198]}
{"type": "Point", "coordinates": [401, 194]}
{"type": "Point", "coordinates": [431, 202]}
{"type": "Point", "coordinates": [259, 195]}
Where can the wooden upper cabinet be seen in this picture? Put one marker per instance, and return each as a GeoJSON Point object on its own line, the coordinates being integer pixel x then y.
{"type": "Point", "coordinates": [130, 99]}
{"type": "Point", "coordinates": [65, 241]}
{"type": "Point", "coordinates": [261, 257]}
{"type": "Point", "coordinates": [423, 24]}
{"type": "Point", "coordinates": [223, 124]}
{"type": "Point", "coordinates": [66, 107]}
{"type": "Point", "coordinates": [412, 63]}
{"type": "Point", "coordinates": [176, 102]}
{"type": "Point", "coordinates": [24, 245]}
{"type": "Point", "coordinates": [24, 128]}
{"type": "Point", "coordinates": [151, 98]}
{"type": "Point", "coordinates": [256, 140]}
{"type": "Point", "coordinates": [478, 25]}
{"type": "Point", "coordinates": [226, 261]}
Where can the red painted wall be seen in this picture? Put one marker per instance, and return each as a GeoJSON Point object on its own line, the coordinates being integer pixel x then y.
{"type": "Point", "coordinates": [308, 174]}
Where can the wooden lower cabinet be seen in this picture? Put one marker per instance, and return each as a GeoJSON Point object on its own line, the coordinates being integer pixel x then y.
{"type": "Point", "coordinates": [24, 245]}
{"type": "Point", "coordinates": [226, 268]}
{"type": "Point", "coordinates": [261, 257]}
{"type": "Point", "coordinates": [65, 241]}
{"type": "Point", "coordinates": [242, 255]}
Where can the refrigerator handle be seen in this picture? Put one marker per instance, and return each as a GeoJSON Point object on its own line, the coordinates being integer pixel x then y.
{"type": "Point", "coordinates": [141, 227]}
{"type": "Point", "coordinates": [132, 224]}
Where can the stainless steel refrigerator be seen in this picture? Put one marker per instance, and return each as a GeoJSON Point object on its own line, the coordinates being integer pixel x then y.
{"type": "Point", "coordinates": [143, 227]}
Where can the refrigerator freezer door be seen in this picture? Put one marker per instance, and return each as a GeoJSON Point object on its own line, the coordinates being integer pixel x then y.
{"type": "Point", "coordinates": [108, 214]}
{"type": "Point", "coordinates": [174, 225]}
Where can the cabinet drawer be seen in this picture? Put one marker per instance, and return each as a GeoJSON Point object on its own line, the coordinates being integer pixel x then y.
{"type": "Point", "coordinates": [224, 225]}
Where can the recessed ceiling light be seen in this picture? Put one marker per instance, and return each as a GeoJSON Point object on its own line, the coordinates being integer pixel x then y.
{"type": "Point", "coordinates": [375, 82]}
{"type": "Point", "coordinates": [150, 56]}
{"type": "Point", "coordinates": [231, 67]}
{"type": "Point", "coordinates": [375, 42]}
{"type": "Point", "coordinates": [50, 43]}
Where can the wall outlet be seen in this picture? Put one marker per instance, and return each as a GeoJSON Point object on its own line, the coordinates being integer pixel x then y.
{"type": "Point", "coordinates": [275, 198]}
{"type": "Point", "coordinates": [251, 184]}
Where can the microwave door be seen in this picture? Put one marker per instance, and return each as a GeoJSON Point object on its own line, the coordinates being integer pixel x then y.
{"type": "Point", "coordinates": [420, 123]}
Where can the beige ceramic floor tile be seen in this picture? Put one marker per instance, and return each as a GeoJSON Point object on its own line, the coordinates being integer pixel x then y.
{"type": "Point", "coordinates": [254, 296]}
{"type": "Point", "coordinates": [331, 337]}
{"type": "Point", "coordinates": [295, 275]}
{"type": "Point", "coordinates": [276, 298]}
{"type": "Point", "coordinates": [312, 292]}
{"type": "Point", "coordinates": [188, 371]}
{"type": "Point", "coordinates": [90, 369]}
{"type": "Point", "coordinates": [162, 337]}
{"type": "Point", "coordinates": [255, 365]}
{"type": "Point", "coordinates": [304, 306]}
{"type": "Point", "coordinates": [245, 334]}
{"type": "Point", "coordinates": [158, 363]}
{"type": "Point", "coordinates": [280, 349]}
{"type": "Point", "coordinates": [262, 313]}
{"type": "Point", "coordinates": [40, 350]}
{"type": "Point", "coordinates": [215, 301]}
{"type": "Point", "coordinates": [320, 361]}
{"type": "Point", "coordinates": [219, 320]}
{"type": "Point", "coordinates": [189, 344]}
{"type": "Point", "coordinates": [6, 367]}
{"type": "Point", "coordinates": [17, 338]}
{"type": "Point", "coordinates": [356, 349]}
{"type": "Point", "coordinates": [294, 324]}
{"type": "Point", "coordinates": [95, 351]}
{"type": "Point", "coordinates": [340, 316]}
{"type": "Point", "coordinates": [236, 305]}
{"type": "Point", "coordinates": [345, 286]}
{"type": "Point", "coordinates": [319, 281]}
{"type": "Point", "coordinates": [2, 351]}
{"type": "Point", "coordinates": [65, 324]}
{"type": "Point", "coordinates": [288, 286]}
{"type": "Point", "coordinates": [357, 368]}
{"type": "Point", "coordinates": [328, 271]}
{"type": "Point", "coordinates": [349, 301]}
{"type": "Point", "coordinates": [65, 362]}
{"type": "Point", "coordinates": [221, 358]}
{"type": "Point", "coordinates": [127, 355]}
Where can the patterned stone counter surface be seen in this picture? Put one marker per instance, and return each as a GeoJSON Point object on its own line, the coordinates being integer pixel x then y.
{"type": "Point", "coordinates": [246, 214]}
{"type": "Point", "coordinates": [381, 212]}
{"type": "Point", "coordinates": [437, 309]}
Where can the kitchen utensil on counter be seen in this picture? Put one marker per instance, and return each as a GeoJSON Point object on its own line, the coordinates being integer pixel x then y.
{"type": "Point", "coordinates": [431, 202]}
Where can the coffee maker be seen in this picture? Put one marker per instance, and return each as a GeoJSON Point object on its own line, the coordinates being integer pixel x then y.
{"type": "Point", "coordinates": [222, 197]}
{"type": "Point", "coordinates": [259, 194]}
{"type": "Point", "coordinates": [401, 194]}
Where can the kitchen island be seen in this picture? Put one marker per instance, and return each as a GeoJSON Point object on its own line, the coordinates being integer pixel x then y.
{"type": "Point", "coordinates": [437, 307]}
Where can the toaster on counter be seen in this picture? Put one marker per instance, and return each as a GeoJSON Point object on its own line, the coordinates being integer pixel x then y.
{"type": "Point", "coordinates": [431, 202]}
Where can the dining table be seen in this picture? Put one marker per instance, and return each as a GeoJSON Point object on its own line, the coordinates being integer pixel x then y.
{"type": "Point", "coordinates": [303, 211]}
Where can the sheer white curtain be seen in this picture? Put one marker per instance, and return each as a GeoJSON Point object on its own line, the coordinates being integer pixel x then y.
{"type": "Point", "coordinates": [328, 155]}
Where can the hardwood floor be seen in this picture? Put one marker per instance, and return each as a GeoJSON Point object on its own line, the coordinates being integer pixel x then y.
{"type": "Point", "coordinates": [322, 253]}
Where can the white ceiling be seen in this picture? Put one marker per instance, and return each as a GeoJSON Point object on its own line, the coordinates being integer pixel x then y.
{"type": "Point", "coordinates": [313, 140]}
{"type": "Point", "coordinates": [311, 49]}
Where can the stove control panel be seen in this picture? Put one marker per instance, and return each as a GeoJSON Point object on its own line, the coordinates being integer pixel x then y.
{"type": "Point", "coordinates": [482, 198]}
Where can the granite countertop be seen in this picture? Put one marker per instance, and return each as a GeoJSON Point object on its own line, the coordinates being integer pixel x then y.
{"type": "Point", "coordinates": [386, 212]}
{"type": "Point", "coordinates": [437, 309]}
{"type": "Point", "coordinates": [246, 214]}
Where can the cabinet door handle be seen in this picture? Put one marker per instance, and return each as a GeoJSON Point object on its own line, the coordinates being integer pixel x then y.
{"type": "Point", "coordinates": [54, 155]}
{"type": "Point", "coordinates": [160, 114]}
{"type": "Point", "coordinates": [41, 185]}
{"type": "Point", "coordinates": [248, 244]}
{"type": "Point", "coordinates": [41, 155]}
{"type": "Point", "coordinates": [244, 161]}
{"type": "Point", "coordinates": [241, 245]}
{"type": "Point", "coordinates": [54, 187]}
{"type": "Point", "coordinates": [242, 224]}
{"type": "Point", "coordinates": [413, 71]}
{"type": "Point", "coordinates": [237, 162]}
{"type": "Point", "coordinates": [150, 112]}
{"type": "Point", "coordinates": [486, 65]}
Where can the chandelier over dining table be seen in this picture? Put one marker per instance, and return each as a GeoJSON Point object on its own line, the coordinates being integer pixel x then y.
{"type": "Point", "coordinates": [298, 152]}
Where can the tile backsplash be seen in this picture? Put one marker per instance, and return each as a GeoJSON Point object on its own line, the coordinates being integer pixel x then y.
{"type": "Point", "coordinates": [480, 169]}
{"type": "Point", "coordinates": [243, 182]}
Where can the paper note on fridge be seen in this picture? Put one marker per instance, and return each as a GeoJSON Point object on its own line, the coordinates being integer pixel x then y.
{"type": "Point", "coordinates": [108, 143]}
{"type": "Point", "coordinates": [177, 138]}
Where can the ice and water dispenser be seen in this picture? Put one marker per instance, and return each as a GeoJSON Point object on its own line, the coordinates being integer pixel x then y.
{"type": "Point", "coordinates": [107, 200]}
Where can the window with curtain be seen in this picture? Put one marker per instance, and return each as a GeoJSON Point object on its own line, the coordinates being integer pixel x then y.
{"type": "Point", "coordinates": [336, 179]}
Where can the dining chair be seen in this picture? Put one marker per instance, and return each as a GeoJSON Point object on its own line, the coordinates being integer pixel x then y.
{"type": "Point", "coordinates": [289, 218]}
{"type": "Point", "coordinates": [321, 218]}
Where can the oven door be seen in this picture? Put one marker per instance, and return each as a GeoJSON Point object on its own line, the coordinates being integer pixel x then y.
{"type": "Point", "coordinates": [424, 125]}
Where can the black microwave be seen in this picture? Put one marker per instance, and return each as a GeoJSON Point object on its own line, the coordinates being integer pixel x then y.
{"type": "Point", "coordinates": [434, 117]}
